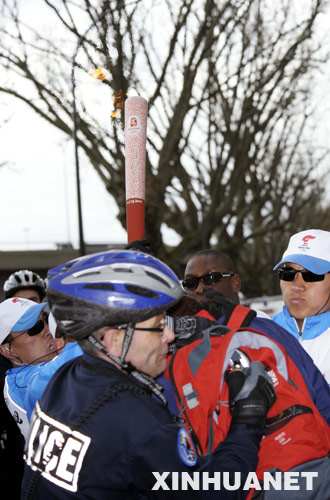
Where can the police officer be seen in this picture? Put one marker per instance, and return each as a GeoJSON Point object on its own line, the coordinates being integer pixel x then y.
{"type": "Point", "coordinates": [101, 429]}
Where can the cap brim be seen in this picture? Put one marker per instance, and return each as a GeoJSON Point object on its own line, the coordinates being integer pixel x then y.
{"type": "Point", "coordinates": [316, 266]}
{"type": "Point", "coordinates": [29, 318]}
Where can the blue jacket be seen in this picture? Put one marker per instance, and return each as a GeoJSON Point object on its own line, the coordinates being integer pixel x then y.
{"type": "Point", "coordinates": [24, 385]}
{"type": "Point", "coordinates": [314, 337]}
{"type": "Point", "coordinates": [96, 440]}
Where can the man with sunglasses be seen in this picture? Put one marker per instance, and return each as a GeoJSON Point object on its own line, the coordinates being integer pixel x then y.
{"type": "Point", "coordinates": [304, 273]}
{"type": "Point", "coordinates": [24, 339]}
{"type": "Point", "coordinates": [25, 384]}
{"type": "Point", "coordinates": [211, 268]}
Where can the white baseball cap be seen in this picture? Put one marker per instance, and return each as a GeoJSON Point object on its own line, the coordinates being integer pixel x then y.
{"type": "Point", "coordinates": [309, 249]}
{"type": "Point", "coordinates": [18, 314]}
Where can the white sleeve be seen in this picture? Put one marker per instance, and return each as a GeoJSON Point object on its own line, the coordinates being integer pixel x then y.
{"type": "Point", "coordinates": [18, 413]}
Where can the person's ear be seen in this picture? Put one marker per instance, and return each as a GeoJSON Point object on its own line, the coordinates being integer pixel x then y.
{"type": "Point", "coordinates": [113, 341]}
{"type": "Point", "coordinates": [6, 352]}
{"type": "Point", "coordinates": [59, 343]}
{"type": "Point", "coordinates": [236, 283]}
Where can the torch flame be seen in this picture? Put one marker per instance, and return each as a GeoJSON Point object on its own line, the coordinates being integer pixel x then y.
{"type": "Point", "coordinates": [118, 103]}
{"type": "Point", "coordinates": [99, 73]}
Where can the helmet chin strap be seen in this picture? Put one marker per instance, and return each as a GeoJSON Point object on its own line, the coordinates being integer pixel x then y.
{"type": "Point", "coordinates": [142, 377]}
{"type": "Point", "coordinates": [128, 335]}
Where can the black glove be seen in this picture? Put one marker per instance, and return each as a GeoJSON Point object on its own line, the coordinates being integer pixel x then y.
{"type": "Point", "coordinates": [250, 396]}
{"type": "Point", "coordinates": [219, 305]}
{"type": "Point", "coordinates": [141, 245]}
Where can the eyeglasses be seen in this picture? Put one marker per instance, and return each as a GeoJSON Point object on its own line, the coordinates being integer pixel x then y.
{"type": "Point", "coordinates": [34, 330]}
{"type": "Point", "coordinates": [288, 274]}
{"type": "Point", "coordinates": [207, 279]}
{"type": "Point", "coordinates": [159, 330]}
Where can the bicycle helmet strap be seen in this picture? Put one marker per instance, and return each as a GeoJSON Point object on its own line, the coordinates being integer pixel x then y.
{"type": "Point", "coordinates": [127, 341]}
{"type": "Point", "coordinates": [142, 377]}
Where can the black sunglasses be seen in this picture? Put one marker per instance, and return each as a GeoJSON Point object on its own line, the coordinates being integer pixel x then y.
{"type": "Point", "coordinates": [288, 274]}
{"type": "Point", "coordinates": [207, 279]}
{"type": "Point", "coordinates": [34, 330]}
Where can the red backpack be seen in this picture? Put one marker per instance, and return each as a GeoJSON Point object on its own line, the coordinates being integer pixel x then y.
{"type": "Point", "coordinates": [296, 436]}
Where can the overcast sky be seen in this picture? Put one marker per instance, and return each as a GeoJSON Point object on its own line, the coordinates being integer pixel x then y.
{"type": "Point", "coordinates": [38, 186]}
{"type": "Point", "coordinates": [38, 189]}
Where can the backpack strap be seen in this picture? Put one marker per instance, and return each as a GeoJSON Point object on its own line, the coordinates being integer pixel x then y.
{"type": "Point", "coordinates": [240, 316]}
{"type": "Point", "coordinates": [232, 315]}
{"type": "Point", "coordinates": [182, 409]}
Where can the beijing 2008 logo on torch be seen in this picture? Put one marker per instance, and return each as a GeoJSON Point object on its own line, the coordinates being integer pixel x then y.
{"type": "Point", "coordinates": [134, 125]}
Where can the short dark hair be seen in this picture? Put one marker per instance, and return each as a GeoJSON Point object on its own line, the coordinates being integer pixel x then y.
{"type": "Point", "coordinates": [37, 289]}
{"type": "Point", "coordinates": [187, 306]}
{"type": "Point", "coordinates": [7, 339]}
{"type": "Point", "coordinates": [218, 254]}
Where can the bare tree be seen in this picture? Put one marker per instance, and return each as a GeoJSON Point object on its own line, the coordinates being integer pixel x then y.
{"type": "Point", "coordinates": [229, 163]}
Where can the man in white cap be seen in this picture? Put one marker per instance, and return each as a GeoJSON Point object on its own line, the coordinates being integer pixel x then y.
{"type": "Point", "coordinates": [304, 273]}
{"type": "Point", "coordinates": [24, 385]}
{"type": "Point", "coordinates": [24, 339]}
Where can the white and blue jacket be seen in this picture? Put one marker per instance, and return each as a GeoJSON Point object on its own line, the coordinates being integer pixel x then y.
{"type": "Point", "coordinates": [24, 385]}
{"type": "Point", "coordinates": [314, 337]}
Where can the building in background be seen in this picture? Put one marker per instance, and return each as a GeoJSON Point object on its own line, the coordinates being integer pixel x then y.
{"type": "Point", "coordinates": [270, 305]}
{"type": "Point", "coordinates": [40, 261]}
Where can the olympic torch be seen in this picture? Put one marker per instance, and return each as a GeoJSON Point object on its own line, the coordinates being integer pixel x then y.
{"type": "Point", "coordinates": [136, 112]}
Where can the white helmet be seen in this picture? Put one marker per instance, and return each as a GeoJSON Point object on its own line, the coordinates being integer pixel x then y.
{"type": "Point", "coordinates": [24, 279]}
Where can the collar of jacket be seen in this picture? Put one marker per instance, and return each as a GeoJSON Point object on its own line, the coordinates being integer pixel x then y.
{"type": "Point", "coordinates": [312, 328]}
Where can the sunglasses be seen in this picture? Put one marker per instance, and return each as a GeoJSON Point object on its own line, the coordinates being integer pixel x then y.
{"type": "Point", "coordinates": [34, 330]}
{"type": "Point", "coordinates": [207, 279]}
{"type": "Point", "coordinates": [288, 274]}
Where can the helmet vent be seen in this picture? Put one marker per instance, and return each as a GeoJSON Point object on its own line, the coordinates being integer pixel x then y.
{"type": "Point", "coordinates": [67, 266]}
{"type": "Point", "coordinates": [156, 277]}
{"type": "Point", "coordinates": [99, 286]}
{"type": "Point", "coordinates": [97, 258]}
{"type": "Point", "coordinates": [86, 272]}
{"type": "Point", "coordinates": [122, 270]}
{"type": "Point", "coordinates": [139, 290]}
